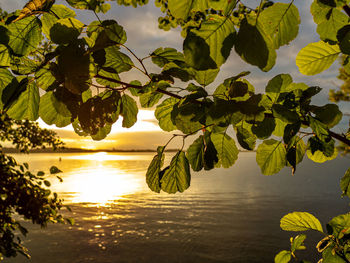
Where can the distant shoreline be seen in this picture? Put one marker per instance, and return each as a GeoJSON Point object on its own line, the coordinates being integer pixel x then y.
{"type": "Point", "coordinates": [80, 150]}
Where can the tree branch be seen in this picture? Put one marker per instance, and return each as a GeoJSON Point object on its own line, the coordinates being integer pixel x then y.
{"type": "Point", "coordinates": [334, 135]}
{"type": "Point", "coordinates": [141, 87]}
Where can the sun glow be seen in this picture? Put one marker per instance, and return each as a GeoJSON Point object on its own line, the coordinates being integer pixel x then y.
{"type": "Point", "coordinates": [98, 183]}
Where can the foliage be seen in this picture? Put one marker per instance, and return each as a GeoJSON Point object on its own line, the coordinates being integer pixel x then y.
{"type": "Point", "coordinates": [22, 192]}
{"type": "Point", "coordinates": [80, 81]}
{"type": "Point", "coordinates": [334, 246]}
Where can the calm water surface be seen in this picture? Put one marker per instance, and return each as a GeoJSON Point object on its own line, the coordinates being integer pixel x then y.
{"type": "Point", "coordinates": [227, 215]}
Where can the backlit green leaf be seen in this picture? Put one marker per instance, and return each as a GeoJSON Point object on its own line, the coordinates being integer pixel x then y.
{"type": "Point", "coordinates": [162, 56]}
{"type": "Point", "coordinates": [152, 175]}
{"type": "Point", "coordinates": [271, 157]}
{"type": "Point", "coordinates": [53, 111]}
{"type": "Point", "coordinates": [218, 32]}
{"type": "Point", "coordinates": [280, 21]}
{"type": "Point", "coordinates": [297, 243]}
{"type": "Point", "coordinates": [339, 225]}
{"type": "Point", "coordinates": [300, 221]}
{"type": "Point", "coordinates": [278, 85]}
{"type": "Point", "coordinates": [48, 19]}
{"type": "Point", "coordinates": [27, 104]}
{"type": "Point", "coordinates": [65, 30]}
{"type": "Point", "coordinates": [195, 154]}
{"type": "Point", "coordinates": [5, 59]}
{"type": "Point", "coordinates": [328, 114]}
{"type": "Point", "coordinates": [163, 114]}
{"type": "Point", "coordinates": [183, 9]}
{"type": "Point", "coordinates": [345, 183]}
{"type": "Point", "coordinates": [254, 46]}
{"type": "Point", "coordinates": [283, 257]}
{"type": "Point", "coordinates": [226, 149]}
{"type": "Point", "coordinates": [25, 35]}
{"type": "Point", "coordinates": [316, 57]}
{"type": "Point", "coordinates": [177, 177]}
{"type": "Point", "coordinates": [328, 28]}
{"type": "Point", "coordinates": [129, 111]}
{"type": "Point", "coordinates": [117, 60]}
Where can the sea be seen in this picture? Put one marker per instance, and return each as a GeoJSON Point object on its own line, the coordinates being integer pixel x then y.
{"type": "Point", "coordinates": [227, 215]}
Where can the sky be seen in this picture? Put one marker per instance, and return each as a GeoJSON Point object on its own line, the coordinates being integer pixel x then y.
{"type": "Point", "coordinates": [144, 37]}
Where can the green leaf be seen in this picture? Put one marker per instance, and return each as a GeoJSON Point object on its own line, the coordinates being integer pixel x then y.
{"type": "Point", "coordinates": [320, 11]}
{"type": "Point", "coordinates": [186, 117]}
{"type": "Point", "coordinates": [264, 129]}
{"type": "Point", "coordinates": [54, 170]}
{"type": "Point", "coordinates": [5, 59]}
{"type": "Point", "coordinates": [27, 104]}
{"type": "Point", "coordinates": [182, 73]}
{"type": "Point", "coordinates": [252, 108]}
{"type": "Point", "coordinates": [163, 114]}
{"type": "Point", "coordinates": [222, 5]}
{"type": "Point", "coordinates": [297, 243]}
{"type": "Point", "coordinates": [66, 30]}
{"type": "Point", "coordinates": [283, 257]}
{"type": "Point", "coordinates": [23, 65]}
{"type": "Point", "coordinates": [44, 78]}
{"type": "Point", "coordinates": [183, 9]}
{"type": "Point", "coordinates": [339, 226]}
{"type": "Point", "coordinates": [290, 131]}
{"type": "Point", "coordinates": [278, 85]}
{"type": "Point", "coordinates": [6, 79]}
{"type": "Point", "coordinates": [300, 221]}
{"type": "Point", "coordinates": [104, 82]}
{"type": "Point", "coordinates": [83, 4]}
{"type": "Point", "coordinates": [245, 138]}
{"type": "Point", "coordinates": [117, 60]}
{"type": "Point", "coordinates": [74, 66]}
{"type": "Point", "coordinates": [328, 255]}
{"type": "Point", "coordinates": [148, 100]}
{"type": "Point", "coordinates": [226, 148]}
{"type": "Point", "coordinates": [316, 57]}
{"type": "Point", "coordinates": [281, 22]}
{"type": "Point", "coordinates": [210, 153]}
{"type": "Point", "coordinates": [53, 111]}
{"type": "Point", "coordinates": [328, 28]}
{"type": "Point", "coordinates": [328, 114]}
{"type": "Point", "coordinates": [205, 77]}
{"type": "Point", "coordinates": [218, 32]}
{"type": "Point", "coordinates": [295, 151]}
{"type": "Point", "coordinates": [195, 154]}
{"type": "Point", "coordinates": [25, 35]}
{"type": "Point", "coordinates": [284, 114]}
{"type": "Point", "coordinates": [177, 177]}
{"type": "Point", "coordinates": [197, 53]}
{"type": "Point", "coordinates": [162, 56]}
{"type": "Point", "coordinates": [48, 19]}
{"type": "Point", "coordinates": [116, 33]}
{"type": "Point", "coordinates": [345, 183]}
{"type": "Point", "coordinates": [320, 129]}
{"type": "Point", "coordinates": [319, 151]}
{"type": "Point", "coordinates": [129, 111]}
{"type": "Point", "coordinates": [254, 46]}
{"type": "Point", "coordinates": [271, 156]}
{"type": "Point", "coordinates": [152, 175]}
{"type": "Point", "coordinates": [102, 133]}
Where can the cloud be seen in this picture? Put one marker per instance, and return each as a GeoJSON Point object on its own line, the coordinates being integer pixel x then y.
{"type": "Point", "coordinates": [12, 5]}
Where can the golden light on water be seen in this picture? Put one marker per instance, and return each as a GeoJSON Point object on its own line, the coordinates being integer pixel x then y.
{"type": "Point", "coordinates": [98, 183]}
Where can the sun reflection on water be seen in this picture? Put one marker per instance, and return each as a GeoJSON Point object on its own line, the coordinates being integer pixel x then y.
{"type": "Point", "coordinates": [98, 183]}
